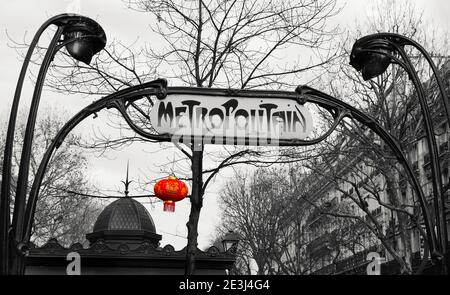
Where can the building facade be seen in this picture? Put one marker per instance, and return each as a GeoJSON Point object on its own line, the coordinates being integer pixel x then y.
{"type": "Point", "coordinates": [353, 209]}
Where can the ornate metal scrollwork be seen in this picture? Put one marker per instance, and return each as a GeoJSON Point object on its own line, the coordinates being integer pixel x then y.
{"type": "Point", "coordinates": [125, 99]}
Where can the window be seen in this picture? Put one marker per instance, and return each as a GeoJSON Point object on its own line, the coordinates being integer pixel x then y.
{"type": "Point", "coordinates": [376, 212]}
{"type": "Point", "coordinates": [334, 201]}
{"type": "Point", "coordinates": [413, 154]}
{"type": "Point", "coordinates": [428, 172]}
{"type": "Point", "coordinates": [445, 175]}
{"type": "Point", "coordinates": [443, 147]}
{"type": "Point", "coordinates": [415, 167]}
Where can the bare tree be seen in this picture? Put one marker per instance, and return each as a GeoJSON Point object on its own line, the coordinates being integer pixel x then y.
{"type": "Point", "coordinates": [259, 207]}
{"type": "Point", "coordinates": [60, 215]}
{"type": "Point", "coordinates": [281, 226]}
{"type": "Point", "coordinates": [331, 236]}
{"type": "Point", "coordinates": [362, 186]}
{"type": "Point", "coordinates": [237, 44]}
{"type": "Point", "coordinates": [233, 44]}
{"type": "Point", "coordinates": [391, 99]}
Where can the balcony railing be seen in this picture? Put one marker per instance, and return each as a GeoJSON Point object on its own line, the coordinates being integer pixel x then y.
{"type": "Point", "coordinates": [351, 263]}
{"type": "Point", "coordinates": [317, 243]}
{"type": "Point", "coordinates": [426, 160]}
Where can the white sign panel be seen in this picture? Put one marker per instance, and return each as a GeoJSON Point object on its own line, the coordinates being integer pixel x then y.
{"type": "Point", "coordinates": [227, 119]}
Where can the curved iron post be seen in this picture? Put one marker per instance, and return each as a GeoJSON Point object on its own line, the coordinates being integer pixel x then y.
{"type": "Point", "coordinates": [22, 186]}
{"type": "Point", "coordinates": [61, 21]}
{"type": "Point", "coordinates": [439, 199]}
{"type": "Point", "coordinates": [7, 156]}
{"type": "Point", "coordinates": [396, 43]}
{"type": "Point", "coordinates": [321, 98]}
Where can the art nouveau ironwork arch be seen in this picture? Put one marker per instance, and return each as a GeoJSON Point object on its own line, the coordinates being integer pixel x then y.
{"type": "Point", "coordinates": [124, 99]}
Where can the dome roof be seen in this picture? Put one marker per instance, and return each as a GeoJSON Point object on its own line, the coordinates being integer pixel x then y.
{"type": "Point", "coordinates": [124, 214]}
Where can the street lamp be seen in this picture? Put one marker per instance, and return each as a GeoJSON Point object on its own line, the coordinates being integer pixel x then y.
{"type": "Point", "coordinates": [371, 55]}
{"type": "Point", "coordinates": [230, 240]}
{"type": "Point", "coordinates": [83, 38]}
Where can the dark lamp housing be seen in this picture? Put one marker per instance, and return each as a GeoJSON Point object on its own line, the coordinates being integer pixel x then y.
{"type": "Point", "coordinates": [371, 58]}
{"type": "Point", "coordinates": [85, 38]}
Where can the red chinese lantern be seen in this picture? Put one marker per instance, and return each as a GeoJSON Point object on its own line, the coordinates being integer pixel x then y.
{"type": "Point", "coordinates": [170, 190]}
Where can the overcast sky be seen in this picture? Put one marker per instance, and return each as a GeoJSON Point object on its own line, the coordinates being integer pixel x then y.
{"type": "Point", "coordinates": [21, 17]}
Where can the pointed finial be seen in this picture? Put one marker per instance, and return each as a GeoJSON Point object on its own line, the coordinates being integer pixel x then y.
{"type": "Point", "coordinates": [126, 182]}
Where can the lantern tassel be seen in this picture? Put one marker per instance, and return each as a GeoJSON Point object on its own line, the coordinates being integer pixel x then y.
{"type": "Point", "coordinates": [169, 206]}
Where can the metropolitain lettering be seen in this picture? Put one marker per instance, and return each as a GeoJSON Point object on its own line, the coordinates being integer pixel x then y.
{"type": "Point", "coordinates": [263, 118]}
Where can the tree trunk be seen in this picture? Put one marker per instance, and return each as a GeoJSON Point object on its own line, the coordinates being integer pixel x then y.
{"type": "Point", "coordinates": [405, 261]}
{"type": "Point", "coordinates": [196, 205]}
{"type": "Point", "coordinates": [406, 239]}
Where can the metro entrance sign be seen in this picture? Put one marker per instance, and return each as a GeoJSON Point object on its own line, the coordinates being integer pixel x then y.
{"type": "Point", "coordinates": [254, 117]}
{"type": "Point", "coordinates": [230, 119]}
{"type": "Point", "coordinates": [247, 117]}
